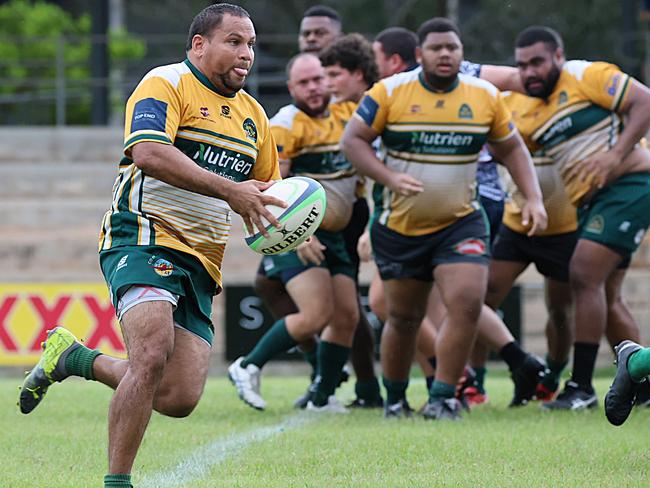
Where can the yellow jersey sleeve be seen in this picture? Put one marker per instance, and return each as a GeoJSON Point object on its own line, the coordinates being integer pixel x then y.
{"type": "Point", "coordinates": [605, 85]}
{"type": "Point", "coordinates": [153, 113]}
{"type": "Point", "coordinates": [284, 140]}
{"type": "Point", "coordinates": [267, 166]}
{"type": "Point", "coordinates": [502, 124]}
{"type": "Point", "coordinates": [373, 108]}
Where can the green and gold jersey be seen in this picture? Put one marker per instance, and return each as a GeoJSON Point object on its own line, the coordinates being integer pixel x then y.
{"type": "Point", "coordinates": [436, 137]}
{"type": "Point", "coordinates": [561, 212]}
{"type": "Point", "coordinates": [312, 145]}
{"type": "Point", "coordinates": [229, 136]}
{"type": "Point", "coordinates": [580, 118]}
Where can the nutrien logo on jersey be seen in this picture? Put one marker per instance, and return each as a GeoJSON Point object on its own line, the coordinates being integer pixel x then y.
{"type": "Point", "coordinates": [470, 247]}
{"type": "Point", "coordinates": [222, 159]}
{"type": "Point", "coordinates": [161, 266]}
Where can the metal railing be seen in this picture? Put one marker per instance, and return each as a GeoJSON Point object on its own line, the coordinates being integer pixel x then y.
{"type": "Point", "coordinates": [58, 91]}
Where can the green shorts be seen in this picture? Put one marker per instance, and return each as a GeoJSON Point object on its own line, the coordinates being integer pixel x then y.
{"type": "Point", "coordinates": [161, 267]}
{"type": "Point", "coordinates": [618, 215]}
{"type": "Point", "coordinates": [287, 265]}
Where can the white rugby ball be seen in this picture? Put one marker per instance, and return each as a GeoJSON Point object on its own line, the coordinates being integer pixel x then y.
{"type": "Point", "coordinates": [306, 204]}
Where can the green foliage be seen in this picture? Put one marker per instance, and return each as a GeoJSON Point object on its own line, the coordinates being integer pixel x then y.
{"type": "Point", "coordinates": [38, 39]}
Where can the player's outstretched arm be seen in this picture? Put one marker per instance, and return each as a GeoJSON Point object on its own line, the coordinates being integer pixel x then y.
{"type": "Point", "coordinates": [505, 78]}
{"type": "Point", "coordinates": [166, 163]}
{"type": "Point", "coordinates": [356, 143]}
{"type": "Point", "coordinates": [514, 155]}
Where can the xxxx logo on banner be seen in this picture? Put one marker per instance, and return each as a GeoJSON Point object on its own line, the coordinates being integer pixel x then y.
{"type": "Point", "coordinates": [28, 310]}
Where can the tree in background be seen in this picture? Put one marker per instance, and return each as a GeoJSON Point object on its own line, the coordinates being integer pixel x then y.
{"type": "Point", "coordinates": [39, 42]}
{"type": "Point", "coordinates": [591, 29]}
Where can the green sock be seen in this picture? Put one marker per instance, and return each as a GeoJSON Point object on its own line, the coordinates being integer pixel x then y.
{"type": "Point", "coordinates": [117, 481]}
{"type": "Point", "coordinates": [368, 390]}
{"type": "Point", "coordinates": [638, 364]}
{"type": "Point", "coordinates": [395, 390]}
{"type": "Point", "coordinates": [480, 378]}
{"type": "Point", "coordinates": [80, 362]}
{"type": "Point", "coordinates": [276, 341]}
{"type": "Point", "coordinates": [554, 372]}
{"type": "Point", "coordinates": [312, 358]}
{"type": "Point", "coordinates": [441, 390]}
{"type": "Point", "coordinates": [331, 359]}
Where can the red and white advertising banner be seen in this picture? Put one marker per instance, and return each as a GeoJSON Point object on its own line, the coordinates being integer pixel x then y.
{"type": "Point", "coordinates": [29, 310]}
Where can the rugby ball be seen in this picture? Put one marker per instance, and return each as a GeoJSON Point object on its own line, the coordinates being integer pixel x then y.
{"type": "Point", "coordinates": [306, 204]}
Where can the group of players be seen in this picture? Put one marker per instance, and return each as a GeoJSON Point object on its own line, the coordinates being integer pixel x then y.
{"type": "Point", "coordinates": [197, 147]}
{"type": "Point", "coordinates": [418, 136]}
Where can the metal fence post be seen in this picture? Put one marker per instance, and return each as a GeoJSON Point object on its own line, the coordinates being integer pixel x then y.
{"type": "Point", "coordinates": [60, 81]}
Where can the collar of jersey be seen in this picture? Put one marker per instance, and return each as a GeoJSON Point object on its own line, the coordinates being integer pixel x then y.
{"type": "Point", "coordinates": [204, 80]}
{"type": "Point", "coordinates": [428, 87]}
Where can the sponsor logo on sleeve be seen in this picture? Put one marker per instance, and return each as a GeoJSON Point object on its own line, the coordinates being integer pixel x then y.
{"type": "Point", "coordinates": [612, 84]}
{"type": "Point", "coordinates": [149, 114]}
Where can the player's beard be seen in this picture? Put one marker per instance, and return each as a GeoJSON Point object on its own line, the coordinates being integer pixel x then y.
{"type": "Point", "coordinates": [230, 86]}
{"type": "Point", "coordinates": [314, 112]}
{"type": "Point", "coordinates": [548, 85]}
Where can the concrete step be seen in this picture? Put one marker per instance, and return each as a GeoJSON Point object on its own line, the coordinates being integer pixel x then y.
{"type": "Point", "coordinates": [40, 254]}
{"type": "Point", "coordinates": [27, 180]}
{"type": "Point", "coordinates": [52, 212]}
{"type": "Point", "coordinates": [46, 145]}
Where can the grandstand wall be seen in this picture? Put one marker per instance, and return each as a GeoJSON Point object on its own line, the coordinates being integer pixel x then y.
{"type": "Point", "coordinates": [55, 185]}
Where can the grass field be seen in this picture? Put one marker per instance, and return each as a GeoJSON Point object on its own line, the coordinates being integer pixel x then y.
{"type": "Point", "coordinates": [225, 443]}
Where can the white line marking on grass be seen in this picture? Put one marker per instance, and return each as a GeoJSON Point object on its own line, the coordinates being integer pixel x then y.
{"type": "Point", "coordinates": [200, 462]}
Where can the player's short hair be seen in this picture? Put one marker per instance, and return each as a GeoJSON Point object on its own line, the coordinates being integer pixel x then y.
{"type": "Point", "coordinates": [322, 11]}
{"type": "Point", "coordinates": [437, 24]}
{"type": "Point", "coordinates": [400, 41]}
{"type": "Point", "coordinates": [295, 58]}
{"type": "Point", "coordinates": [352, 52]}
{"type": "Point", "coordinates": [210, 18]}
{"type": "Point", "coordinates": [539, 33]}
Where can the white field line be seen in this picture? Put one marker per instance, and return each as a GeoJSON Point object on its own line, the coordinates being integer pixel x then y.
{"type": "Point", "coordinates": [199, 463]}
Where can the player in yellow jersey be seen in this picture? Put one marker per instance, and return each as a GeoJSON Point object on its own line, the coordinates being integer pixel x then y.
{"type": "Point", "coordinates": [574, 116]}
{"type": "Point", "coordinates": [434, 122]}
{"type": "Point", "coordinates": [196, 147]}
{"type": "Point", "coordinates": [319, 276]}
{"type": "Point", "coordinates": [350, 70]}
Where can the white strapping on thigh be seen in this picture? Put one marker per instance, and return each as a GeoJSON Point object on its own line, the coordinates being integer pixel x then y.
{"type": "Point", "coordinates": [140, 294]}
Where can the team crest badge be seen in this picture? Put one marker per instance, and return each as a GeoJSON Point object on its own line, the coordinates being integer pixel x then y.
{"type": "Point", "coordinates": [250, 129]}
{"type": "Point", "coordinates": [161, 266]}
{"type": "Point", "coordinates": [465, 112]}
{"type": "Point", "coordinates": [596, 225]}
{"type": "Point", "coordinates": [563, 98]}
